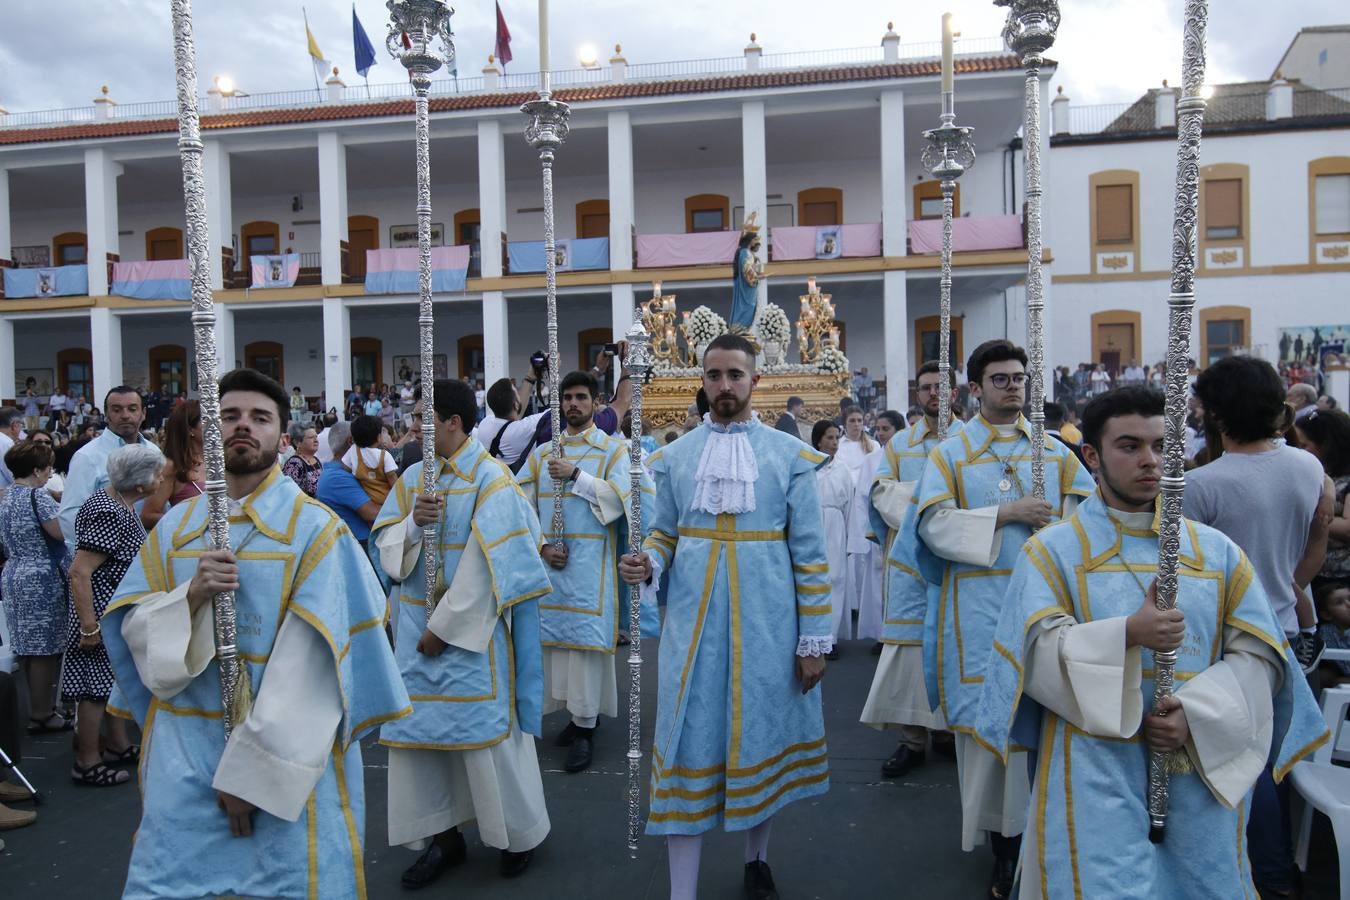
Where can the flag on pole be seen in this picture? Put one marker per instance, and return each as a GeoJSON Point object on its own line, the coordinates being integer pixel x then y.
{"type": "Point", "coordinates": [503, 39]}
{"type": "Point", "coordinates": [365, 51]}
{"type": "Point", "coordinates": [321, 65]}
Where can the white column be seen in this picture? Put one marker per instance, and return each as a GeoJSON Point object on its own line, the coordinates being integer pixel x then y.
{"type": "Point", "coordinates": [5, 246]}
{"type": "Point", "coordinates": [337, 352]}
{"type": "Point", "coordinates": [219, 208]}
{"type": "Point", "coordinates": [622, 214]}
{"type": "Point", "coordinates": [226, 349]}
{"type": "Point", "coordinates": [496, 341]}
{"type": "Point", "coordinates": [100, 213]}
{"type": "Point", "coordinates": [492, 209]}
{"type": "Point", "coordinates": [755, 179]}
{"type": "Point", "coordinates": [895, 334]}
{"type": "Point", "coordinates": [8, 389]}
{"type": "Point", "coordinates": [332, 204]}
{"type": "Point", "coordinates": [894, 232]}
{"type": "Point", "coordinates": [105, 342]}
{"type": "Point", "coordinates": [491, 195]}
{"type": "Point", "coordinates": [620, 309]}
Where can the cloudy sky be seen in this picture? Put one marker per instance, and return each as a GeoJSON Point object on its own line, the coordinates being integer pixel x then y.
{"type": "Point", "coordinates": [1108, 50]}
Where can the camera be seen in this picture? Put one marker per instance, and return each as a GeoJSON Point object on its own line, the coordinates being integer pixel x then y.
{"type": "Point", "coordinates": [612, 349]}
{"type": "Point", "coordinates": [539, 361]}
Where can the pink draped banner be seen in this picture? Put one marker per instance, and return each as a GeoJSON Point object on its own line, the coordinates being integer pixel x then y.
{"type": "Point", "coordinates": [404, 259]}
{"type": "Point", "coordinates": [697, 249]}
{"type": "Point", "coordinates": [968, 233]}
{"type": "Point", "coordinates": [799, 242]}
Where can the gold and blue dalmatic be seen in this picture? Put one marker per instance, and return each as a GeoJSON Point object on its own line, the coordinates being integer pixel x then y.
{"type": "Point", "coordinates": [462, 699]}
{"type": "Point", "coordinates": [582, 611]}
{"type": "Point", "coordinates": [1086, 833]}
{"type": "Point", "coordinates": [298, 558]}
{"type": "Point", "coordinates": [979, 468]}
{"type": "Point", "coordinates": [904, 591]}
{"type": "Point", "coordinates": [735, 738]}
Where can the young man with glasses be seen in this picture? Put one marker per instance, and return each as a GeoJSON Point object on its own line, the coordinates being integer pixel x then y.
{"type": "Point", "coordinates": [975, 510]}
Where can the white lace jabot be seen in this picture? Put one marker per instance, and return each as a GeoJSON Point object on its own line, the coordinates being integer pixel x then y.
{"type": "Point", "coordinates": [727, 470]}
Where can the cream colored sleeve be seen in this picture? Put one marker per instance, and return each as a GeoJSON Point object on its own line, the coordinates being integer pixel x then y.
{"type": "Point", "coordinates": [399, 546]}
{"type": "Point", "coordinates": [1229, 711]}
{"type": "Point", "coordinates": [962, 535]}
{"type": "Point", "coordinates": [170, 644]}
{"type": "Point", "coordinates": [277, 755]}
{"type": "Point", "coordinates": [600, 494]}
{"type": "Point", "coordinates": [1083, 673]}
{"type": "Point", "coordinates": [889, 498]}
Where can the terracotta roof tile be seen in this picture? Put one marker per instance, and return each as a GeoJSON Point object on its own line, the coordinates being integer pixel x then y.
{"type": "Point", "coordinates": [329, 112]}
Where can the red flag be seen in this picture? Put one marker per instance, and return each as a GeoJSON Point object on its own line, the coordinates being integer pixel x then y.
{"type": "Point", "coordinates": [503, 39]}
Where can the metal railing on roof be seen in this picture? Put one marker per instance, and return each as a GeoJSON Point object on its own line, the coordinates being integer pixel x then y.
{"type": "Point", "coordinates": [512, 81]}
{"type": "Point", "coordinates": [1230, 105]}
{"type": "Point", "coordinates": [1094, 119]}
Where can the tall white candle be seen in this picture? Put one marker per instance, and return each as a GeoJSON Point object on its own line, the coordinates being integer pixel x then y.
{"type": "Point", "coordinates": [543, 35]}
{"type": "Point", "coordinates": [948, 66]}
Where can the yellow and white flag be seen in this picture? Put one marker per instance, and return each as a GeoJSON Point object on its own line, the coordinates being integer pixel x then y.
{"type": "Point", "coordinates": [321, 66]}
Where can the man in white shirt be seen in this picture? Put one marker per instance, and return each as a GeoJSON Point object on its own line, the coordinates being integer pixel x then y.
{"type": "Point", "coordinates": [506, 403]}
{"type": "Point", "coordinates": [11, 426]}
{"type": "Point", "coordinates": [1133, 374]}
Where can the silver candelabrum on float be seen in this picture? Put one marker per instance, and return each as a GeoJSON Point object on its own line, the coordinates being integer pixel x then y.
{"type": "Point", "coordinates": [545, 133]}
{"type": "Point", "coordinates": [234, 681]}
{"type": "Point", "coordinates": [949, 153]}
{"type": "Point", "coordinates": [638, 363]}
{"type": "Point", "coordinates": [1180, 303]}
{"type": "Point", "coordinates": [1030, 31]}
{"type": "Point", "coordinates": [414, 25]}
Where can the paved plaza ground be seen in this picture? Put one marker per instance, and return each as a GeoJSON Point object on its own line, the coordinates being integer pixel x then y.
{"type": "Point", "coordinates": [868, 837]}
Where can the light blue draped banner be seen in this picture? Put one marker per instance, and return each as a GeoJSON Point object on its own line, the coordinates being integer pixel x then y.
{"type": "Point", "coordinates": [47, 281]}
{"type": "Point", "coordinates": [574, 255]}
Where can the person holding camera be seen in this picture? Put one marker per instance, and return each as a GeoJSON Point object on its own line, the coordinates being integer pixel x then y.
{"type": "Point", "coordinates": [506, 432]}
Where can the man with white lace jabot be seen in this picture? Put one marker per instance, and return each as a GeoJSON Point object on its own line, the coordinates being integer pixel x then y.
{"type": "Point", "coordinates": [737, 523]}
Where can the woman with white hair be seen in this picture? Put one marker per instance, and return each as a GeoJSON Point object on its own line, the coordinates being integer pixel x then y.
{"type": "Point", "coordinates": [304, 467]}
{"type": "Point", "coordinates": [108, 535]}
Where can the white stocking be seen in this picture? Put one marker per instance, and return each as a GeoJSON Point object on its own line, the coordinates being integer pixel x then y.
{"type": "Point", "coordinates": [684, 851]}
{"type": "Point", "coordinates": [757, 842]}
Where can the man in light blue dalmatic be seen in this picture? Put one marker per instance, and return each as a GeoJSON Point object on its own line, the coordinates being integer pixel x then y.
{"type": "Point", "coordinates": [473, 670]}
{"type": "Point", "coordinates": [579, 621]}
{"type": "Point", "coordinates": [279, 809]}
{"type": "Point", "coordinates": [897, 698]}
{"type": "Point", "coordinates": [975, 509]}
{"type": "Point", "coordinates": [1071, 677]}
{"type": "Point", "coordinates": [737, 523]}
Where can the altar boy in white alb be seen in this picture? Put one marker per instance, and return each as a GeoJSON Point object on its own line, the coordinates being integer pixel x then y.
{"type": "Point", "coordinates": [579, 620]}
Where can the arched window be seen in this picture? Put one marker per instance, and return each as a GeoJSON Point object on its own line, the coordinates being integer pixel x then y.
{"type": "Point", "coordinates": [258, 239]}
{"type": "Point", "coordinates": [367, 361]}
{"type": "Point", "coordinates": [472, 359]}
{"type": "Point", "coordinates": [1224, 330]}
{"type": "Point", "coordinates": [75, 371]}
{"type": "Point", "coordinates": [928, 200]}
{"type": "Point", "coordinates": [1225, 217]}
{"type": "Point", "coordinates": [164, 243]}
{"type": "Point", "coordinates": [1113, 213]}
{"type": "Point", "coordinates": [268, 358]}
{"type": "Point", "coordinates": [707, 212]}
{"type": "Point", "coordinates": [1328, 209]}
{"type": "Point", "coordinates": [70, 249]}
{"type": "Point", "coordinates": [820, 206]}
{"type": "Point", "coordinates": [469, 230]}
{"type": "Point", "coordinates": [168, 369]}
{"type": "Point", "coordinates": [928, 337]}
{"type": "Point", "coordinates": [593, 219]}
{"type": "Point", "coordinates": [1116, 337]}
{"type": "Point", "coordinates": [363, 233]}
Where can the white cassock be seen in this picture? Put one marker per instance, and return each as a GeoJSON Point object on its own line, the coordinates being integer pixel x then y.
{"type": "Point", "coordinates": [852, 455]}
{"type": "Point", "coordinates": [866, 555]}
{"type": "Point", "coordinates": [835, 484]}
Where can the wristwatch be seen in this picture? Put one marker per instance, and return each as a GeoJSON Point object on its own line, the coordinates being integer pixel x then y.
{"type": "Point", "coordinates": [576, 471]}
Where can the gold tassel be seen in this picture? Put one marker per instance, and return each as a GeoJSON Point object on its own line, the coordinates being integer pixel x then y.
{"type": "Point", "coordinates": [1179, 763]}
{"type": "Point", "coordinates": [243, 696]}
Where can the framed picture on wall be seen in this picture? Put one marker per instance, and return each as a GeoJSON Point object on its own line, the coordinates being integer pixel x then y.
{"type": "Point", "coordinates": [409, 368]}
{"type": "Point", "coordinates": [406, 235]}
{"type": "Point", "coordinates": [36, 256]}
{"type": "Point", "coordinates": [44, 381]}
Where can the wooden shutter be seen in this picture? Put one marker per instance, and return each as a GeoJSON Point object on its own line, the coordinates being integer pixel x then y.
{"type": "Point", "coordinates": [1223, 208]}
{"type": "Point", "coordinates": [1115, 214]}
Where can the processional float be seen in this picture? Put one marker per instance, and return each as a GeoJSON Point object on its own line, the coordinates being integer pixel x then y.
{"type": "Point", "coordinates": [414, 25]}
{"type": "Point", "coordinates": [235, 692]}
{"type": "Point", "coordinates": [1030, 31]}
{"type": "Point", "coordinates": [1180, 303]}
{"type": "Point", "coordinates": [949, 153]}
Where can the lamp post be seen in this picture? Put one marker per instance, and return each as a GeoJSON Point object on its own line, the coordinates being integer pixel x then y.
{"type": "Point", "coordinates": [414, 25]}
{"type": "Point", "coordinates": [1030, 31]}
{"type": "Point", "coordinates": [949, 153]}
{"type": "Point", "coordinates": [545, 133]}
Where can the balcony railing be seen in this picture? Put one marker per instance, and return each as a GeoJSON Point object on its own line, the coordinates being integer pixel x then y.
{"type": "Point", "coordinates": [1229, 105]}
{"type": "Point", "coordinates": [512, 81]}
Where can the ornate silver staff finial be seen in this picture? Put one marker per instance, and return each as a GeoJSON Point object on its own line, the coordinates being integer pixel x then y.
{"type": "Point", "coordinates": [545, 133]}
{"type": "Point", "coordinates": [949, 153]}
{"type": "Point", "coordinates": [638, 363]}
{"type": "Point", "coordinates": [1190, 118]}
{"type": "Point", "coordinates": [1030, 31]}
{"type": "Point", "coordinates": [234, 680]}
{"type": "Point", "coordinates": [414, 25]}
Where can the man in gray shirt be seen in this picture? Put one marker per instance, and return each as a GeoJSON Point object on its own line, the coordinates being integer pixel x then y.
{"type": "Point", "coordinates": [1263, 495]}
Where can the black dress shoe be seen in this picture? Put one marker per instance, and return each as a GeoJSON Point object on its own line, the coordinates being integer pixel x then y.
{"type": "Point", "coordinates": [579, 756]}
{"type": "Point", "coordinates": [759, 881]}
{"type": "Point", "coordinates": [566, 736]}
{"type": "Point", "coordinates": [1001, 882]}
{"type": "Point", "coordinates": [876, 648]}
{"type": "Point", "coordinates": [515, 864]}
{"type": "Point", "coordinates": [439, 856]}
{"type": "Point", "coordinates": [902, 762]}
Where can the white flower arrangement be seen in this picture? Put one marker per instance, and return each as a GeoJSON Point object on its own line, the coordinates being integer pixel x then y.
{"type": "Point", "coordinates": [773, 324]}
{"type": "Point", "coordinates": [705, 326]}
{"type": "Point", "coordinates": [832, 361]}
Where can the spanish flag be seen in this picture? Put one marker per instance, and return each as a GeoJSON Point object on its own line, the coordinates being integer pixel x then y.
{"type": "Point", "coordinates": [321, 65]}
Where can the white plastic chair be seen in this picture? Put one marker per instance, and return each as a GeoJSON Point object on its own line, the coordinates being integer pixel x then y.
{"type": "Point", "coordinates": [1324, 786]}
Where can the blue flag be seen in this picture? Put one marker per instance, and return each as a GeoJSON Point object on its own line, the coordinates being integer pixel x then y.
{"type": "Point", "coordinates": [365, 52]}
